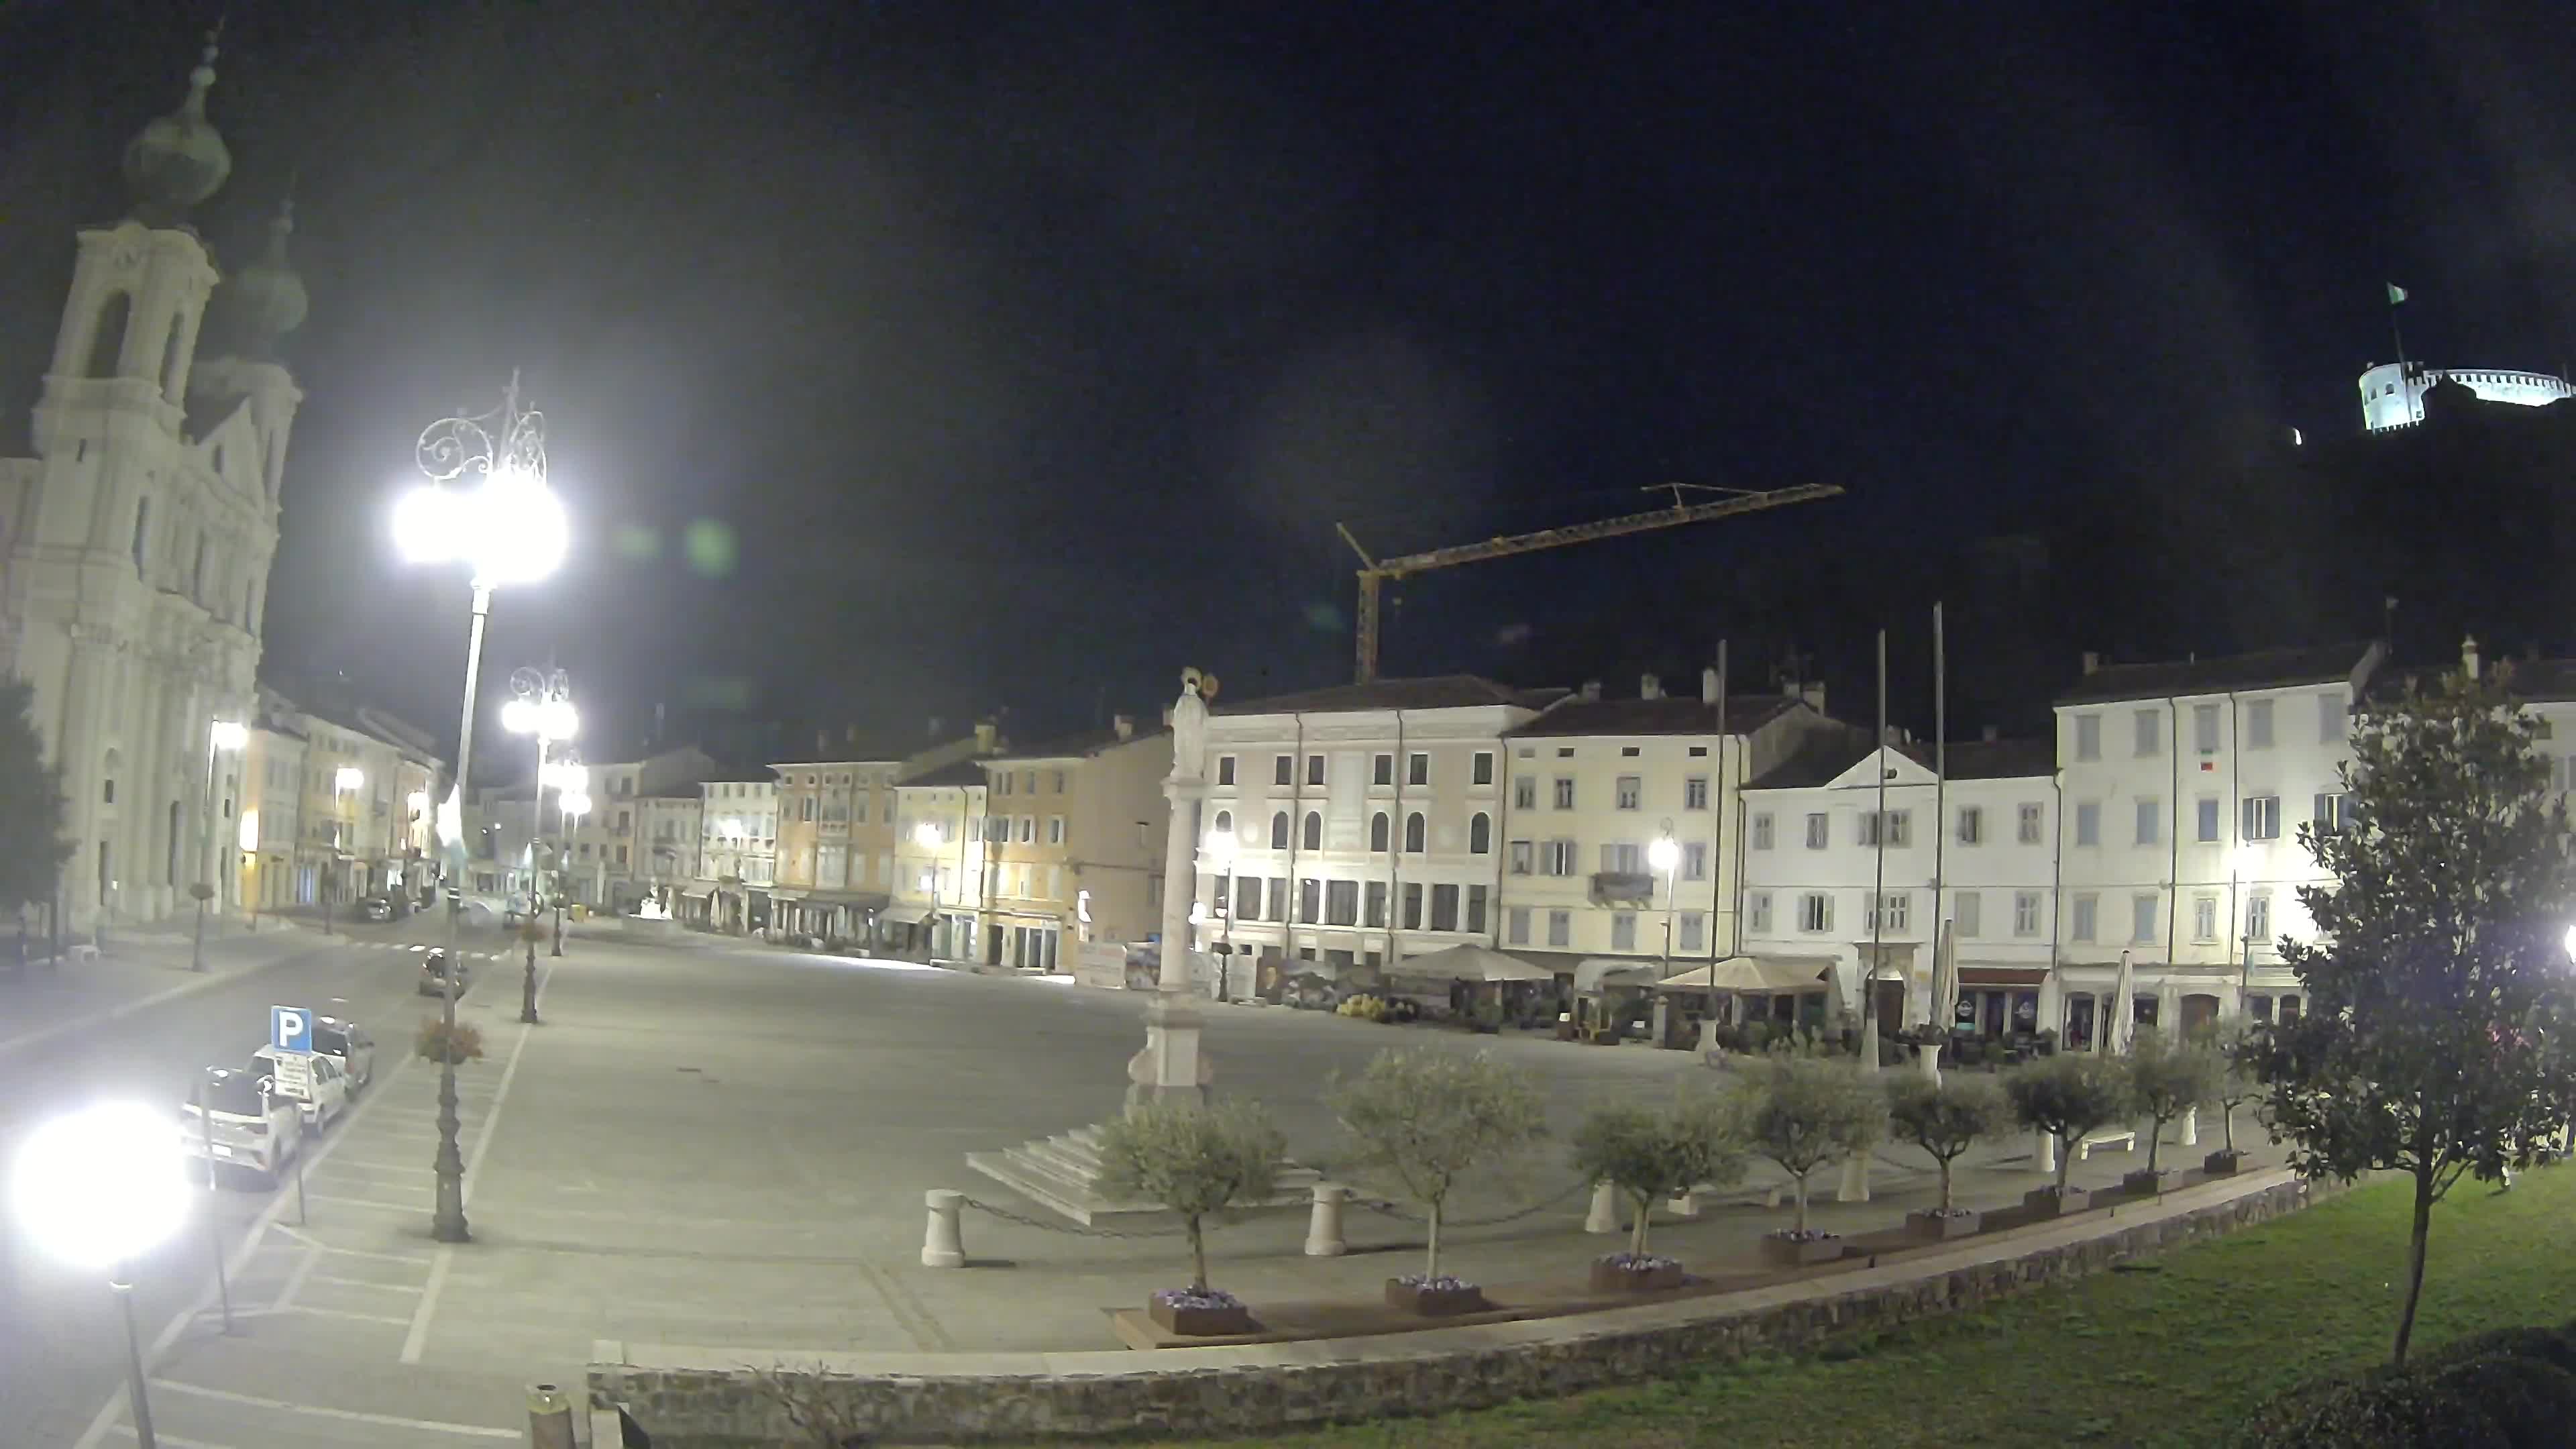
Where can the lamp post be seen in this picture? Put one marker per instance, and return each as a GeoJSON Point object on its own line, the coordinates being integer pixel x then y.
{"type": "Point", "coordinates": [542, 706]}
{"type": "Point", "coordinates": [1218, 850]}
{"type": "Point", "coordinates": [501, 520]}
{"type": "Point", "coordinates": [221, 735]}
{"type": "Point", "coordinates": [100, 1188]}
{"type": "Point", "coordinates": [572, 782]}
{"type": "Point", "coordinates": [1666, 856]}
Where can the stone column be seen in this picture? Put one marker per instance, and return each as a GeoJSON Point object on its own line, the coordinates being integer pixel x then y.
{"type": "Point", "coordinates": [942, 1245]}
{"type": "Point", "coordinates": [2043, 1153]}
{"type": "Point", "coordinates": [1603, 1216]}
{"type": "Point", "coordinates": [1324, 1223]}
{"type": "Point", "coordinates": [1171, 1064]}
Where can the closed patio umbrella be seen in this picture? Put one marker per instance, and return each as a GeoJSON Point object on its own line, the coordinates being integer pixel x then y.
{"type": "Point", "coordinates": [2121, 1030]}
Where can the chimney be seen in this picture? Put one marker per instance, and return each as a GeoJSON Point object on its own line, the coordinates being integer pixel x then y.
{"type": "Point", "coordinates": [1814, 695]}
{"type": "Point", "coordinates": [1992, 734]}
{"type": "Point", "coordinates": [935, 723]}
{"type": "Point", "coordinates": [984, 732]}
{"type": "Point", "coordinates": [1592, 691]}
{"type": "Point", "coordinates": [1650, 687]}
{"type": "Point", "coordinates": [2092, 660]}
{"type": "Point", "coordinates": [823, 741]}
{"type": "Point", "coordinates": [2469, 655]}
{"type": "Point", "coordinates": [852, 736]}
{"type": "Point", "coordinates": [1124, 724]}
{"type": "Point", "coordinates": [1708, 686]}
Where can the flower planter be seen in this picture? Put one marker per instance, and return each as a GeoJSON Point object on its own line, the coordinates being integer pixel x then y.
{"type": "Point", "coordinates": [2048, 1202]}
{"type": "Point", "coordinates": [1200, 1315]}
{"type": "Point", "coordinates": [1615, 1274]}
{"type": "Point", "coordinates": [1789, 1252]}
{"type": "Point", "coordinates": [1438, 1299]}
{"type": "Point", "coordinates": [1931, 1224]}
{"type": "Point", "coordinates": [2222, 1163]}
{"type": "Point", "coordinates": [2142, 1183]}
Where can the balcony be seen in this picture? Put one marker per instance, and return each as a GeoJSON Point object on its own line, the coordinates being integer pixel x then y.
{"type": "Point", "coordinates": [1622, 887]}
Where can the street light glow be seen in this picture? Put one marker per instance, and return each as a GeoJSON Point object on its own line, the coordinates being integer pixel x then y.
{"type": "Point", "coordinates": [555, 719]}
{"type": "Point", "coordinates": [1219, 848]}
{"type": "Point", "coordinates": [510, 529]}
{"type": "Point", "coordinates": [226, 734]}
{"type": "Point", "coordinates": [573, 802]}
{"type": "Point", "coordinates": [102, 1185]}
{"type": "Point", "coordinates": [926, 833]}
{"type": "Point", "coordinates": [1663, 854]}
{"type": "Point", "coordinates": [249, 834]}
{"type": "Point", "coordinates": [350, 779]}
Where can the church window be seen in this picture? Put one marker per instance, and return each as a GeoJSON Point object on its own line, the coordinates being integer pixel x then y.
{"type": "Point", "coordinates": [108, 343]}
{"type": "Point", "coordinates": [173, 359]}
{"type": "Point", "coordinates": [197, 572]}
{"type": "Point", "coordinates": [142, 529]}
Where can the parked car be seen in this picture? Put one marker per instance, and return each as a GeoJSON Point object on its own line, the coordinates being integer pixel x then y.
{"type": "Point", "coordinates": [327, 1086]}
{"type": "Point", "coordinates": [433, 975]}
{"type": "Point", "coordinates": [349, 1043]}
{"type": "Point", "coordinates": [377, 908]}
{"type": "Point", "coordinates": [249, 1126]}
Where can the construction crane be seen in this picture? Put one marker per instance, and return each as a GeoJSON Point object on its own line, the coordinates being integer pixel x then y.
{"type": "Point", "coordinates": [1374, 572]}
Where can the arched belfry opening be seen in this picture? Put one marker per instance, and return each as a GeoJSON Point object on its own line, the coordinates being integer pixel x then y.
{"type": "Point", "coordinates": [107, 344]}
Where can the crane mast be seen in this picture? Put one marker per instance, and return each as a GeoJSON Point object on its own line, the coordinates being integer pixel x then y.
{"type": "Point", "coordinates": [1374, 572]}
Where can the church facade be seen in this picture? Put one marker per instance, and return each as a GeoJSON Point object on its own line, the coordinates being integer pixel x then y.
{"type": "Point", "coordinates": [140, 534]}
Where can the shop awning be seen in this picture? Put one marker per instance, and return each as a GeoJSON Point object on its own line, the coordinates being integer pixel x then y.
{"type": "Point", "coordinates": [1752, 973]}
{"type": "Point", "coordinates": [1597, 972]}
{"type": "Point", "coordinates": [2002, 975]}
{"type": "Point", "coordinates": [904, 915]}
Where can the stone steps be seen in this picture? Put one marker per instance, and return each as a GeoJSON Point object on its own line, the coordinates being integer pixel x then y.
{"type": "Point", "coordinates": [1062, 1174]}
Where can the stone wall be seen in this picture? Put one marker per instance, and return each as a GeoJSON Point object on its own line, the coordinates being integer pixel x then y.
{"type": "Point", "coordinates": [712, 1398]}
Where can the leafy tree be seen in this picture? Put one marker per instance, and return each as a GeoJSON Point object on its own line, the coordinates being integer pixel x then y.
{"type": "Point", "coordinates": [2068, 1096]}
{"type": "Point", "coordinates": [1947, 1117]}
{"type": "Point", "coordinates": [1424, 1119]}
{"type": "Point", "coordinates": [2168, 1078]}
{"type": "Point", "coordinates": [1196, 1159]}
{"type": "Point", "coordinates": [2437, 976]}
{"type": "Point", "coordinates": [2237, 1084]}
{"type": "Point", "coordinates": [32, 844]}
{"type": "Point", "coordinates": [1801, 1112]}
{"type": "Point", "coordinates": [1649, 1155]}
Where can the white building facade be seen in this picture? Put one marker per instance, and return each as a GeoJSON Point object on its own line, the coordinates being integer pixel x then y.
{"type": "Point", "coordinates": [939, 884]}
{"type": "Point", "coordinates": [737, 845]}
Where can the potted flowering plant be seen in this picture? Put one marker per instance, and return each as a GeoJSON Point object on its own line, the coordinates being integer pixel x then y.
{"type": "Point", "coordinates": [1199, 1161]}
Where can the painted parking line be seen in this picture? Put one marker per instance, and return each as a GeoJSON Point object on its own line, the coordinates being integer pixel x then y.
{"type": "Point", "coordinates": [369, 1202]}
{"type": "Point", "coordinates": [345, 1416]}
{"type": "Point", "coordinates": [415, 1259]}
{"type": "Point", "coordinates": [337, 1281]}
{"type": "Point", "coordinates": [417, 1341]}
{"type": "Point", "coordinates": [384, 1318]}
{"type": "Point", "coordinates": [173, 1440]}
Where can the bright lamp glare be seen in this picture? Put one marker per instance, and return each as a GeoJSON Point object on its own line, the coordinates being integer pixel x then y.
{"type": "Point", "coordinates": [926, 833]}
{"type": "Point", "coordinates": [520, 530]}
{"type": "Point", "coordinates": [1219, 847]}
{"type": "Point", "coordinates": [228, 734]}
{"type": "Point", "coordinates": [427, 526]}
{"type": "Point", "coordinates": [559, 719]}
{"type": "Point", "coordinates": [350, 778]}
{"type": "Point", "coordinates": [573, 803]}
{"type": "Point", "coordinates": [519, 717]}
{"type": "Point", "coordinates": [103, 1184]}
{"type": "Point", "coordinates": [2571, 943]}
{"type": "Point", "coordinates": [1663, 853]}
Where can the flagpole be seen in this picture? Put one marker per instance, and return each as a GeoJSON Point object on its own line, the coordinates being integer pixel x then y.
{"type": "Point", "coordinates": [1940, 798]}
{"type": "Point", "coordinates": [2397, 299]}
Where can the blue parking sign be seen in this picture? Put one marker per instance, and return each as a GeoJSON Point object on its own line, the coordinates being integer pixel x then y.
{"type": "Point", "coordinates": [290, 1028]}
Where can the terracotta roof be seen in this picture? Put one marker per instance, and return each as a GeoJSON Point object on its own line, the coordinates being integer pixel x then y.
{"type": "Point", "coordinates": [1995, 759]}
{"type": "Point", "coordinates": [1081, 746]}
{"type": "Point", "coordinates": [2263, 669]}
{"type": "Point", "coordinates": [1439, 691]}
{"type": "Point", "coordinates": [1666, 716]}
{"type": "Point", "coordinates": [2535, 680]}
{"type": "Point", "coordinates": [955, 773]}
{"type": "Point", "coordinates": [1823, 758]}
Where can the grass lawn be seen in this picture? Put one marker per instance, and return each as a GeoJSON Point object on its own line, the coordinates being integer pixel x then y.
{"type": "Point", "coordinates": [2170, 1352]}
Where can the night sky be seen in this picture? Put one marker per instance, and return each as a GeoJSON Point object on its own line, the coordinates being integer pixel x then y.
{"type": "Point", "coordinates": [921, 359]}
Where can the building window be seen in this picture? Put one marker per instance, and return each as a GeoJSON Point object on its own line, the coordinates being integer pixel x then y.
{"type": "Point", "coordinates": [1516, 926]}
{"type": "Point", "coordinates": [2142, 919]}
{"type": "Point", "coordinates": [1892, 911]}
{"type": "Point", "coordinates": [1476, 901]}
{"type": "Point", "coordinates": [1525, 792]}
{"type": "Point", "coordinates": [1004, 780]}
{"type": "Point", "coordinates": [2204, 918]}
{"type": "Point", "coordinates": [2028, 831]}
{"type": "Point", "coordinates": [1818, 831]}
{"type": "Point", "coordinates": [1972, 825]}
{"type": "Point", "coordinates": [1225, 769]}
{"type": "Point", "coordinates": [1967, 910]}
{"type": "Point", "coordinates": [1310, 900]}
{"type": "Point", "coordinates": [1623, 858]}
{"type": "Point", "coordinates": [2151, 738]}
{"type": "Point", "coordinates": [1313, 836]}
{"type": "Point", "coordinates": [2087, 909]}
{"type": "Point", "coordinates": [1283, 770]}
{"type": "Point", "coordinates": [1375, 904]}
{"type": "Point", "coordinates": [1378, 831]}
{"type": "Point", "coordinates": [2088, 737]}
{"type": "Point", "coordinates": [1480, 834]}
{"type": "Point", "coordinates": [1521, 856]}
{"type": "Point", "coordinates": [1278, 894]}
{"type": "Point", "coordinates": [2331, 721]}
{"type": "Point", "coordinates": [1413, 905]}
{"type": "Point", "coordinates": [1623, 930]}
{"type": "Point", "coordinates": [1224, 824]}
{"type": "Point", "coordinates": [2262, 817]}
{"type": "Point", "coordinates": [1417, 770]}
{"type": "Point", "coordinates": [2151, 814]}
{"type": "Point", "coordinates": [1757, 909]}
{"type": "Point", "coordinates": [2025, 913]}
{"type": "Point", "coordinates": [1695, 860]}
{"type": "Point", "coordinates": [2205, 819]}
{"type": "Point", "coordinates": [142, 531]}
{"type": "Point", "coordinates": [1762, 831]}
{"type": "Point", "coordinates": [2334, 811]}
{"type": "Point", "coordinates": [1279, 830]}
{"type": "Point", "coordinates": [1631, 792]}
{"type": "Point", "coordinates": [1342, 903]}
{"type": "Point", "coordinates": [1382, 770]}
{"type": "Point", "coordinates": [1413, 833]}
{"type": "Point", "coordinates": [1695, 793]}
{"type": "Point", "coordinates": [1028, 830]}
{"type": "Point", "coordinates": [1314, 769]}
{"type": "Point", "coordinates": [2088, 822]}
{"type": "Point", "coordinates": [1895, 827]}
{"type": "Point", "coordinates": [1564, 792]}
{"type": "Point", "coordinates": [1556, 857]}
{"type": "Point", "coordinates": [1815, 912]}
{"type": "Point", "coordinates": [2258, 724]}
{"type": "Point", "coordinates": [1560, 924]}
{"type": "Point", "coordinates": [2204, 728]}
{"type": "Point", "coordinates": [1483, 773]}
{"type": "Point", "coordinates": [2258, 918]}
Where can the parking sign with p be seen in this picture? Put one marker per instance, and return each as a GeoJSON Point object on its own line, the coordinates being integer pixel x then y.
{"type": "Point", "coordinates": [290, 1028]}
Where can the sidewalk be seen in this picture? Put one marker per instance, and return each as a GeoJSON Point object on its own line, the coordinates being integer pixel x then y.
{"type": "Point", "coordinates": [141, 968]}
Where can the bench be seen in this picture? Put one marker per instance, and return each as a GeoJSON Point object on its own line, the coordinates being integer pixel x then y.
{"type": "Point", "coordinates": [2126, 1137]}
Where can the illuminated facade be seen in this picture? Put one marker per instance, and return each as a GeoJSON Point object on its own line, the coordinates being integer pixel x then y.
{"type": "Point", "coordinates": [2392, 394]}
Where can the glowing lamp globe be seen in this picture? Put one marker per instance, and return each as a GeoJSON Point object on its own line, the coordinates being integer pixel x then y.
{"type": "Point", "coordinates": [1663, 854]}
{"type": "Point", "coordinates": [103, 1184]}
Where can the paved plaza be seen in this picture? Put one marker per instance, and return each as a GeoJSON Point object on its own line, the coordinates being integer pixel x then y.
{"type": "Point", "coordinates": [718, 1143]}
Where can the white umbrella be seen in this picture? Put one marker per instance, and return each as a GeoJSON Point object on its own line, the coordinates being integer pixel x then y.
{"type": "Point", "coordinates": [1470, 963]}
{"type": "Point", "coordinates": [1945, 979]}
{"type": "Point", "coordinates": [2121, 1028]}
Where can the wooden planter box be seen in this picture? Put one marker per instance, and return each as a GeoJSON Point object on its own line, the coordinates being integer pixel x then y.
{"type": "Point", "coordinates": [2046, 1202]}
{"type": "Point", "coordinates": [1800, 1252]}
{"type": "Point", "coordinates": [2142, 1183]}
{"type": "Point", "coordinates": [1934, 1227]}
{"type": "Point", "coordinates": [2222, 1163]}
{"type": "Point", "coordinates": [1200, 1322]}
{"type": "Point", "coordinates": [1608, 1277]}
{"type": "Point", "coordinates": [1434, 1302]}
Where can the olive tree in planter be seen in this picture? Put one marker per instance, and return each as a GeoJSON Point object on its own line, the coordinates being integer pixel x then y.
{"type": "Point", "coordinates": [1802, 1112]}
{"type": "Point", "coordinates": [1647, 1156]}
{"type": "Point", "coordinates": [1945, 1119]}
{"type": "Point", "coordinates": [2236, 1086]}
{"type": "Point", "coordinates": [2067, 1097]}
{"type": "Point", "coordinates": [2167, 1079]}
{"type": "Point", "coordinates": [1420, 1121]}
{"type": "Point", "coordinates": [1199, 1160]}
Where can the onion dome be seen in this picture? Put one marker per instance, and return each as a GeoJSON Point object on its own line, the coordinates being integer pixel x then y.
{"type": "Point", "coordinates": [265, 300]}
{"type": "Point", "coordinates": [178, 160]}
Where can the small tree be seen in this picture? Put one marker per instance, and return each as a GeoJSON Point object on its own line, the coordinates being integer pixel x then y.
{"type": "Point", "coordinates": [2237, 1084]}
{"type": "Point", "coordinates": [2168, 1079]}
{"type": "Point", "coordinates": [32, 844]}
{"type": "Point", "coordinates": [2068, 1096]}
{"type": "Point", "coordinates": [1802, 1112]}
{"type": "Point", "coordinates": [1196, 1159]}
{"type": "Point", "coordinates": [1423, 1119]}
{"type": "Point", "coordinates": [1648, 1155]}
{"type": "Point", "coordinates": [1946, 1118]}
{"type": "Point", "coordinates": [2436, 976]}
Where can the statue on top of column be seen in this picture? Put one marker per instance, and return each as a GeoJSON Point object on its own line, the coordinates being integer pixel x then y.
{"type": "Point", "coordinates": [1189, 724]}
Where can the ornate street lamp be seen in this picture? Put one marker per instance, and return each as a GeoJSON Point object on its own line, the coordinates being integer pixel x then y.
{"type": "Point", "coordinates": [486, 506]}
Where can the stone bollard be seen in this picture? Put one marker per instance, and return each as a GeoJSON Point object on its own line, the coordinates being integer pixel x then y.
{"type": "Point", "coordinates": [1684, 1206]}
{"type": "Point", "coordinates": [1855, 1183]}
{"type": "Point", "coordinates": [2191, 1127]}
{"type": "Point", "coordinates": [1927, 1059]}
{"type": "Point", "coordinates": [549, 1418]}
{"type": "Point", "coordinates": [1324, 1222]}
{"type": "Point", "coordinates": [1604, 1214]}
{"type": "Point", "coordinates": [941, 1244]}
{"type": "Point", "coordinates": [2043, 1153]}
